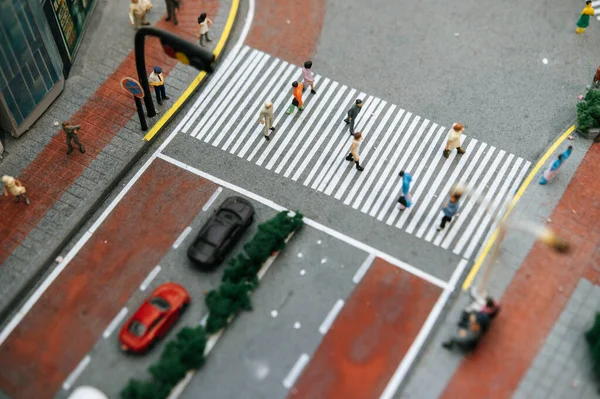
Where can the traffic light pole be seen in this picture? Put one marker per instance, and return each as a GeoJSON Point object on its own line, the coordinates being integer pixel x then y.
{"type": "Point", "coordinates": [140, 64]}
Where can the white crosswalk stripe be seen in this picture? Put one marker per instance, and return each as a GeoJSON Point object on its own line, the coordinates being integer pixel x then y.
{"type": "Point", "coordinates": [310, 147]}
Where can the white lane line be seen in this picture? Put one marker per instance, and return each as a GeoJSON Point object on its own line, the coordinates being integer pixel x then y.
{"type": "Point", "coordinates": [498, 200]}
{"type": "Point", "coordinates": [309, 222]}
{"type": "Point", "coordinates": [283, 94]}
{"type": "Point", "coordinates": [419, 341]}
{"type": "Point", "coordinates": [296, 122]}
{"type": "Point", "coordinates": [422, 182]}
{"type": "Point", "coordinates": [149, 278]}
{"type": "Point", "coordinates": [360, 273]}
{"type": "Point", "coordinates": [212, 199]}
{"type": "Point", "coordinates": [471, 183]}
{"type": "Point", "coordinates": [326, 325]}
{"type": "Point", "coordinates": [295, 372]}
{"type": "Point", "coordinates": [300, 137]}
{"type": "Point", "coordinates": [31, 301]}
{"type": "Point", "coordinates": [339, 165]}
{"type": "Point", "coordinates": [382, 159]}
{"type": "Point", "coordinates": [248, 65]}
{"type": "Point", "coordinates": [336, 132]}
{"type": "Point", "coordinates": [264, 96]}
{"type": "Point", "coordinates": [181, 237]}
{"type": "Point", "coordinates": [114, 323]}
{"type": "Point", "coordinates": [238, 93]}
{"type": "Point", "coordinates": [218, 84]}
{"type": "Point", "coordinates": [341, 138]}
{"type": "Point", "coordinates": [435, 208]}
{"type": "Point", "coordinates": [371, 140]}
{"type": "Point", "coordinates": [383, 176]}
{"type": "Point", "coordinates": [244, 105]}
{"type": "Point", "coordinates": [328, 90]}
{"type": "Point", "coordinates": [315, 131]}
{"type": "Point", "coordinates": [466, 210]}
{"type": "Point", "coordinates": [76, 373]}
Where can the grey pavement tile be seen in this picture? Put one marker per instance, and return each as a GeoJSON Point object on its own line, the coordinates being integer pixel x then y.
{"type": "Point", "coordinates": [79, 192]}
{"type": "Point", "coordinates": [539, 393]}
{"type": "Point", "coordinates": [64, 209]}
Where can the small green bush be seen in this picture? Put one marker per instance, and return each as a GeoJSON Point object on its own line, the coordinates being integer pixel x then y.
{"type": "Point", "coordinates": [593, 335]}
{"type": "Point", "coordinates": [144, 390]}
{"type": "Point", "coordinates": [588, 111]}
{"type": "Point", "coordinates": [228, 301]}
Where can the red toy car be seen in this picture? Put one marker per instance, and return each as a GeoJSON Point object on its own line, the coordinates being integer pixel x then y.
{"type": "Point", "coordinates": [154, 318]}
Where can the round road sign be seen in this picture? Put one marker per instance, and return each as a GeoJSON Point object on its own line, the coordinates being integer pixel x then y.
{"type": "Point", "coordinates": [132, 86]}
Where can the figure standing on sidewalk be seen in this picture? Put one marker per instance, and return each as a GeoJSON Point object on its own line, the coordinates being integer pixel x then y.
{"type": "Point", "coordinates": [596, 80]}
{"type": "Point", "coordinates": [137, 13]}
{"type": "Point", "coordinates": [307, 75]}
{"type": "Point", "coordinates": [551, 172]}
{"type": "Point", "coordinates": [203, 22]}
{"type": "Point", "coordinates": [297, 100]}
{"type": "Point", "coordinates": [353, 113]}
{"type": "Point", "coordinates": [71, 131]}
{"type": "Point", "coordinates": [157, 80]}
{"type": "Point", "coordinates": [470, 330]}
{"type": "Point", "coordinates": [266, 118]}
{"type": "Point", "coordinates": [453, 142]}
{"type": "Point", "coordinates": [405, 200]}
{"type": "Point", "coordinates": [15, 188]}
{"type": "Point", "coordinates": [171, 14]}
{"type": "Point", "coordinates": [354, 156]}
{"type": "Point", "coordinates": [584, 19]}
{"type": "Point", "coordinates": [451, 206]}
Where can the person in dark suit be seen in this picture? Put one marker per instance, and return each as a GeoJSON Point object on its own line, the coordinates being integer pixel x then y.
{"type": "Point", "coordinates": [353, 113]}
{"type": "Point", "coordinates": [171, 14]}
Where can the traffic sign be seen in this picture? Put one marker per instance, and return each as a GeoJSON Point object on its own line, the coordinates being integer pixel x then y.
{"type": "Point", "coordinates": [132, 86]}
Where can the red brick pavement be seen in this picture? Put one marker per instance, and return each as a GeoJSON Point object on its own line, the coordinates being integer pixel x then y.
{"type": "Point", "coordinates": [71, 315]}
{"type": "Point", "coordinates": [101, 118]}
{"type": "Point", "coordinates": [370, 336]}
{"type": "Point", "coordinates": [538, 293]}
{"type": "Point", "coordinates": [294, 42]}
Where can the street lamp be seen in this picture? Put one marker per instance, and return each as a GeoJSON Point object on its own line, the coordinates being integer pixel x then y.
{"type": "Point", "coordinates": [175, 47]}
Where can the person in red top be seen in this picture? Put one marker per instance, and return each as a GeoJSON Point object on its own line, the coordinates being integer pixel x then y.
{"type": "Point", "coordinates": [297, 100]}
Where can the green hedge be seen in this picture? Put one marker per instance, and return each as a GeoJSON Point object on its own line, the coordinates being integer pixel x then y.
{"type": "Point", "coordinates": [186, 351]}
{"type": "Point", "coordinates": [588, 111]}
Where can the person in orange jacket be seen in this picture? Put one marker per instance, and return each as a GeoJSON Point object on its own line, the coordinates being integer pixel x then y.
{"type": "Point", "coordinates": [297, 100]}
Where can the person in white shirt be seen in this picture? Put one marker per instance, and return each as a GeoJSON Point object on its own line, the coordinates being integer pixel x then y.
{"type": "Point", "coordinates": [203, 21]}
{"type": "Point", "coordinates": [137, 13]}
{"type": "Point", "coordinates": [157, 80]}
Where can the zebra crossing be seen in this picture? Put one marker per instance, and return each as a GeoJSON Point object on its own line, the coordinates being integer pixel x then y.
{"type": "Point", "coordinates": [309, 147]}
{"type": "Point", "coordinates": [596, 6]}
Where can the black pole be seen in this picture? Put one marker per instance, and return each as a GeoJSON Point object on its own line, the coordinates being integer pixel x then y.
{"type": "Point", "coordinates": [140, 110]}
{"type": "Point", "coordinates": [140, 64]}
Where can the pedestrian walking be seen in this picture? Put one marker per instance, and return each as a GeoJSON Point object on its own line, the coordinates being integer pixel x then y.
{"type": "Point", "coordinates": [137, 13]}
{"type": "Point", "coordinates": [266, 118]}
{"type": "Point", "coordinates": [552, 171]}
{"type": "Point", "coordinates": [172, 5]}
{"type": "Point", "coordinates": [203, 24]}
{"type": "Point", "coordinates": [157, 80]}
{"type": "Point", "coordinates": [451, 206]}
{"type": "Point", "coordinates": [308, 77]}
{"type": "Point", "coordinates": [470, 330]}
{"type": "Point", "coordinates": [71, 131]}
{"type": "Point", "coordinates": [405, 200]}
{"type": "Point", "coordinates": [297, 100]}
{"type": "Point", "coordinates": [353, 113]}
{"type": "Point", "coordinates": [453, 142]}
{"type": "Point", "coordinates": [584, 19]}
{"type": "Point", "coordinates": [15, 188]}
{"type": "Point", "coordinates": [354, 156]}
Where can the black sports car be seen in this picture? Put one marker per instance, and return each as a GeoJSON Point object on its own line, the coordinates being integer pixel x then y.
{"type": "Point", "coordinates": [221, 232]}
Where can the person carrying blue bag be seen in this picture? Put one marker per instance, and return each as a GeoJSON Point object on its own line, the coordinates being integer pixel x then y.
{"type": "Point", "coordinates": [552, 171]}
{"type": "Point", "coordinates": [405, 200]}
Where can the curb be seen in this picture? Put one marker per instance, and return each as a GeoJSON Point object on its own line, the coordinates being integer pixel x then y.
{"type": "Point", "coordinates": [22, 292]}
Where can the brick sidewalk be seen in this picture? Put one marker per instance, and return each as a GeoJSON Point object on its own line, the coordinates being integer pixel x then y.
{"type": "Point", "coordinates": [537, 295]}
{"type": "Point", "coordinates": [63, 188]}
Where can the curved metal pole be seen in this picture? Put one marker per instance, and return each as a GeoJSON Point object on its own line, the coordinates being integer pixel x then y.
{"type": "Point", "coordinates": [140, 64]}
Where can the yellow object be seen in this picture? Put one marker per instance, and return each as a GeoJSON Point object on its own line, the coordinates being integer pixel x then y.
{"type": "Point", "coordinates": [201, 76]}
{"type": "Point", "coordinates": [579, 30]}
{"type": "Point", "coordinates": [182, 58]}
{"type": "Point", "coordinates": [516, 198]}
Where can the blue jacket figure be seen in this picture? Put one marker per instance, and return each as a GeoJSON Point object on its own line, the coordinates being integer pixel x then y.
{"type": "Point", "coordinates": [549, 173]}
{"type": "Point", "coordinates": [405, 200]}
{"type": "Point", "coordinates": [451, 207]}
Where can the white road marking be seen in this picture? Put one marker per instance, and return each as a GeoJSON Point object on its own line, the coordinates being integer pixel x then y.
{"type": "Point", "coordinates": [274, 313]}
{"type": "Point", "coordinates": [114, 323]}
{"type": "Point", "coordinates": [360, 273]}
{"type": "Point", "coordinates": [148, 280]}
{"type": "Point", "coordinates": [309, 222]}
{"type": "Point", "coordinates": [31, 301]}
{"type": "Point", "coordinates": [181, 237]}
{"type": "Point", "coordinates": [326, 325]}
{"type": "Point", "coordinates": [297, 325]}
{"type": "Point", "coordinates": [419, 341]}
{"type": "Point", "coordinates": [76, 373]}
{"type": "Point", "coordinates": [295, 372]}
{"type": "Point", "coordinates": [324, 260]}
{"type": "Point", "coordinates": [212, 199]}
